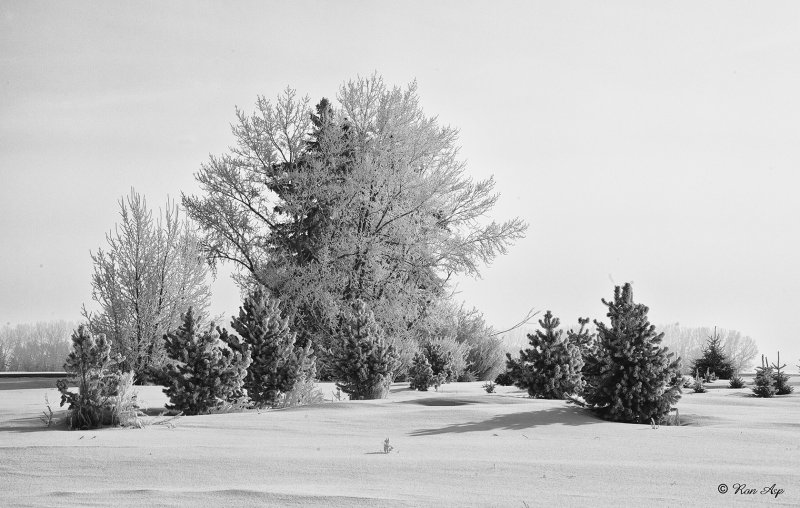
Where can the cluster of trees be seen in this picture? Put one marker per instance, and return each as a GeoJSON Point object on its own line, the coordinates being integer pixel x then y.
{"type": "Point", "coordinates": [36, 347]}
{"type": "Point", "coordinates": [622, 371]}
{"type": "Point", "coordinates": [365, 201]}
{"type": "Point", "coordinates": [691, 342]}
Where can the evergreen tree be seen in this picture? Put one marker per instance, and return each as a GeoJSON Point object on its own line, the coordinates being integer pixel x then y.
{"type": "Point", "coordinates": [363, 362]}
{"type": "Point", "coordinates": [551, 367]}
{"type": "Point", "coordinates": [421, 373]}
{"type": "Point", "coordinates": [781, 379]}
{"type": "Point", "coordinates": [277, 362]}
{"type": "Point", "coordinates": [633, 378]}
{"type": "Point", "coordinates": [764, 381]}
{"type": "Point", "coordinates": [207, 368]}
{"type": "Point", "coordinates": [91, 363]}
{"type": "Point", "coordinates": [714, 359]}
{"type": "Point", "coordinates": [442, 362]}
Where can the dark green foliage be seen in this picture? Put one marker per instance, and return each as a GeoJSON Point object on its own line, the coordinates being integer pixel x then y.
{"type": "Point", "coordinates": [736, 382]}
{"type": "Point", "coordinates": [277, 362]}
{"type": "Point", "coordinates": [714, 360]}
{"type": "Point", "coordinates": [764, 382]}
{"type": "Point", "coordinates": [504, 379]}
{"type": "Point", "coordinates": [780, 378]}
{"type": "Point", "coordinates": [551, 367]}
{"type": "Point", "coordinates": [420, 374]}
{"type": "Point", "coordinates": [632, 378]}
{"type": "Point", "coordinates": [207, 369]}
{"type": "Point", "coordinates": [90, 362]}
{"type": "Point", "coordinates": [364, 363]}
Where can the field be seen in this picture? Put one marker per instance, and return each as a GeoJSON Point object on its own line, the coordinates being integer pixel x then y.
{"type": "Point", "coordinates": [457, 447]}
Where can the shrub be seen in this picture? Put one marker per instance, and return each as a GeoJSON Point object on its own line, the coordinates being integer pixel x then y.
{"type": "Point", "coordinates": [277, 363]}
{"type": "Point", "coordinates": [736, 382]}
{"type": "Point", "coordinates": [504, 379]}
{"type": "Point", "coordinates": [303, 392]}
{"type": "Point", "coordinates": [764, 382]}
{"type": "Point", "coordinates": [631, 377]}
{"type": "Point", "coordinates": [489, 387]}
{"type": "Point", "coordinates": [421, 373]}
{"type": "Point", "coordinates": [363, 362]}
{"type": "Point", "coordinates": [698, 384]}
{"type": "Point", "coordinates": [780, 378]}
{"type": "Point", "coordinates": [91, 363]}
{"type": "Point", "coordinates": [207, 369]}
{"type": "Point", "coordinates": [444, 361]}
{"type": "Point", "coordinates": [551, 367]}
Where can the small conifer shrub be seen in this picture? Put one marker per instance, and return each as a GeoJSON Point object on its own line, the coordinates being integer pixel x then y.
{"type": "Point", "coordinates": [442, 362]}
{"type": "Point", "coordinates": [736, 382]}
{"type": "Point", "coordinates": [698, 386]}
{"type": "Point", "coordinates": [633, 378]}
{"type": "Point", "coordinates": [364, 363]}
{"type": "Point", "coordinates": [421, 373]}
{"type": "Point", "coordinates": [780, 378]}
{"type": "Point", "coordinates": [489, 387]}
{"type": "Point", "coordinates": [90, 362]}
{"type": "Point", "coordinates": [277, 363]}
{"type": "Point", "coordinates": [207, 369]}
{"type": "Point", "coordinates": [764, 381]}
{"type": "Point", "coordinates": [504, 379]}
{"type": "Point", "coordinates": [551, 367]}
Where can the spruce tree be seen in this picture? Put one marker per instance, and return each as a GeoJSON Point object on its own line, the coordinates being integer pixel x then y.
{"type": "Point", "coordinates": [714, 360]}
{"type": "Point", "coordinates": [633, 378]}
{"type": "Point", "coordinates": [551, 367]}
{"type": "Point", "coordinates": [442, 363]}
{"type": "Point", "coordinates": [207, 369]}
{"type": "Point", "coordinates": [364, 363]}
{"type": "Point", "coordinates": [780, 378]}
{"type": "Point", "coordinates": [764, 381]}
{"type": "Point", "coordinates": [421, 373]}
{"type": "Point", "coordinates": [277, 362]}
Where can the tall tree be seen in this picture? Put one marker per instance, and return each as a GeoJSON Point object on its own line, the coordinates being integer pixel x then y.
{"type": "Point", "coordinates": [632, 378]}
{"type": "Point", "coordinates": [150, 275]}
{"type": "Point", "coordinates": [367, 200]}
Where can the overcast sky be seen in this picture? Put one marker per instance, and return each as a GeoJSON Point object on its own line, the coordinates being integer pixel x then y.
{"type": "Point", "coordinates": [653, 142]}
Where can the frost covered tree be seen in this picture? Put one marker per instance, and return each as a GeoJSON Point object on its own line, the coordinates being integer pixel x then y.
{"type": "Point", "coordinates": [206, 368]}
{"type": "Point", "coordinates": [632, 378]}
{"type": "Point", "coordinates": [421, 373]}
{"type": "Point", "coordinates": [94, 369]}
{"type": "Point", "coordinates": [365, 198]}
{"type": "Point", "coordinates": [764, 380]}
{"type": "Point", "coordinates": [277, 362]}
{"type": "Point", "coordinates": [364, 363]}
{"type": "Point", "coordinates": [551, 367]}
{"type": "Point", "coordinates": [150, 274]}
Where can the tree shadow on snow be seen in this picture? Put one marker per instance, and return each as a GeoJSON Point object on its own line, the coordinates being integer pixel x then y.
{"type": "Point", "coordinates": [571, 416]}
{"type": "Point", "coordinates": [31, 424]}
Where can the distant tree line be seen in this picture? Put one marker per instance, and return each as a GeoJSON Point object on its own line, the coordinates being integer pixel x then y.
{"type": "Point", "coordinates": [35, 347]}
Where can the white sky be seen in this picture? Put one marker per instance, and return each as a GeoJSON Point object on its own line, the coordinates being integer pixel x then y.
{"type": "Point", "coordinates": [654, 142]}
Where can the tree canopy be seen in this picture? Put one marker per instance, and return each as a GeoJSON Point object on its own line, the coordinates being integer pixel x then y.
{"type": "Point", "coordinates": [364, 200]}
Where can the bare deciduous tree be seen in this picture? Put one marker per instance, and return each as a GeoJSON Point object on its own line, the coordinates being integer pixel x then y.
{"type": "Point", "coordinates": [151, 273]}
{"type": "Point", "coordinates": [35, 347]}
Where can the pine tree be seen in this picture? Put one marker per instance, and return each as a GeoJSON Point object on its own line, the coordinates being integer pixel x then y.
{"type": "Point", "coordinates": [633, 379]}
{"type": "Point", "coordinates": [764, 381]}
{"type": "Point", "coordinates": [91, 363]}
{"type": "Point", "coordinates": [207, 369]}
{"type": "Point", "coordinates": [441, 361]}
{"type": "Point", "coordinates": [781, 379]}
{"type": "Point", "coordinates": [277, 362]}
{"type": "Point", "coordinates": [363, 362]}
{"type": "Point", "coordinates": [551, 367]}
{"type": "Point", "coordinates": [421, 373]}
{"type": "Point", "coordinates": [714, 359]}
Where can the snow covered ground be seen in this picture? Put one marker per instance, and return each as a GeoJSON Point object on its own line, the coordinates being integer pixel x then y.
{"type": "Point", "coordinates": [458, 447]}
